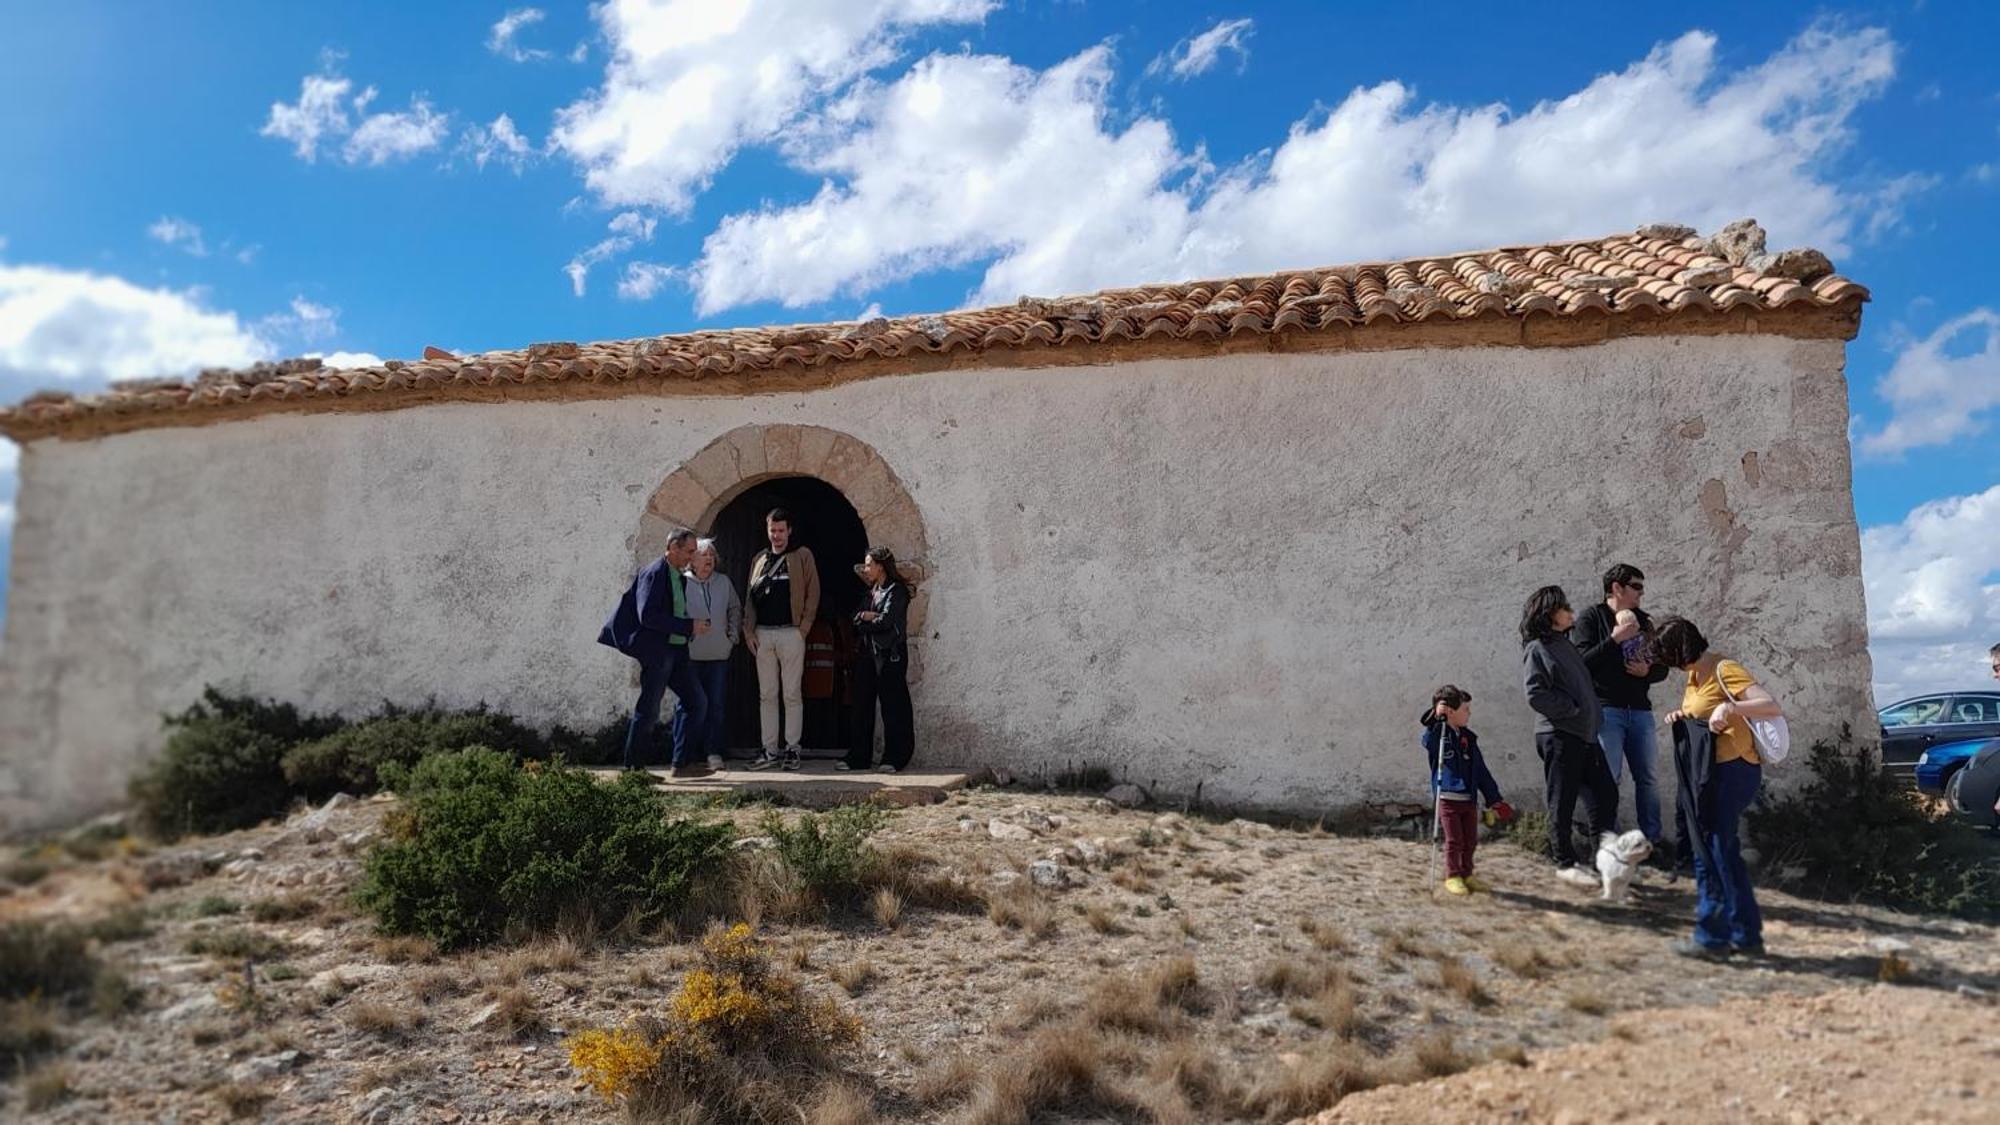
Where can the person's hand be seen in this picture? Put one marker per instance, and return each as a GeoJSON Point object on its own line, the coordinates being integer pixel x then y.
{"type": "Point", "coordinates": [1638, 668]}
{"type": "Point", "coordinates": [1438, 711]}
{"type": "Point", "coordinates": [1625, 631]}
{"type": "Point", "coordinates": [1503, 812]}
{"type": "Point", "coordinates": [701, 627]}
{"type": "Point", "coordinates": [1719, 719]}
{"type": "Point", "coordinates": [750, 641]}
{"type": "Point", "coordinates": [1674, 717]}
{"type": "Point", "coordinates": [868, 615]}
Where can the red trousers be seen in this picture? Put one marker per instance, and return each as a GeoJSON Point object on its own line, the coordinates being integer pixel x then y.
{"type": "Point", "coordinates": [1459, 821]}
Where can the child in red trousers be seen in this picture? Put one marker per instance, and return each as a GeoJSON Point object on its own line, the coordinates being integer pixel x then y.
{"type": "Point", "coordinates": [1459, 778]}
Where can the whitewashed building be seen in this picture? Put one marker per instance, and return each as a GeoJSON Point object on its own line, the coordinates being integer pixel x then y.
{"type": "Point", "coordinates": [1224, 534]}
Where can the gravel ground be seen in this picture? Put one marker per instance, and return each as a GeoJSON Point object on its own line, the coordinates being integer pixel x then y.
{"type": "Point", "coordinates": [343, 1027]}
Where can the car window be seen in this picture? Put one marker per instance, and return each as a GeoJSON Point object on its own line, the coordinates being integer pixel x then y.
{"type": "Point", "coordinates": [1914, 713]}
{"type": "Point", "coordinates": [1975, 709]}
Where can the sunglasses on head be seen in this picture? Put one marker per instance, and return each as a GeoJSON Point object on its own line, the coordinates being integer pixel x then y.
{"type": "Point", "coordinates": [1635, 587]}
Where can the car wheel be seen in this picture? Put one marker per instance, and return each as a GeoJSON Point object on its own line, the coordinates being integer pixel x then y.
{"type": "Point", "coordinates": [1952, 787]}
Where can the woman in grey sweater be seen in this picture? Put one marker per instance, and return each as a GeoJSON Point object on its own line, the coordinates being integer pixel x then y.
{"type": "Point", "coordinates": [711, 597]}
{"type": "Point", "coordinates": [1564, 700]}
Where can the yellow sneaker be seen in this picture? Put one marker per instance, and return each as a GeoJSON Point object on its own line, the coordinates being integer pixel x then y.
{"type": "Point", "coordinates": [1475, 883]}
{"type": "Point", "coordinates": [1456, 886]}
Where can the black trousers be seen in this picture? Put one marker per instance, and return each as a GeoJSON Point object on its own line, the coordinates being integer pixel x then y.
{"type": "Point", "coordinates": [1574, 767]}
{"type": "Point", "coordinates": [877, 679]}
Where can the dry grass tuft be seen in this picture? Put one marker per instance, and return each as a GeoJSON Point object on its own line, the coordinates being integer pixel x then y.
{"type": "Point", "coordinates": [406, 949]}
{"type": "Point", "coordinates": [432, 985]}
{"type": "Point", "coordinates": [1031, 1011]}
{"type": "Point", "coordinates": [853, 976]}
{"type": "Point", "coordinates": [1433, 1056]}
{"type": "Point", "coordinates": [840, 1103]}
{"type": "Point", "coordinates": [516, 1013]}
{"type": "Point", "coordinates": [1318, 1081]}
{"type": "Point", "coordinates": [1134, 879]}
{"type": "Point", "coordinates": [1335, 1009]}
{"type": "Point", "coordinates": [1297, 976]}
{"type": "Point", "coordinates": [388, 1075]}
{"type": "Point", "coordinates": [1103, 919]}
{"type": "Point", "coordinates": [45, 1088]}
{"type": "Point", "coordinates": [887, 907]}
{"type": "Point", "coordinates": [1459, 980]}
{"type": "Point", "coordinates": [1020, 906]}
{"type": "Point", "coordinates": [948, 1081]}
{"type": "Point", "coordinates": [286, 908]}
{"type": "Point", "coordinates": [242, 1099]}
{"type": "Point", "coordinates": [1523, 960]}
{"type": "Point", "coordinates": [384, 1020]}
{"type": "Point", "coordinates": [558, 955]}
{"type": "Point", "coordinates": [1587, 1002]}
{"type": "Point", "coordinates": [1510, 1053]}
{"type": "Point", "coordinates": [1324, 935]}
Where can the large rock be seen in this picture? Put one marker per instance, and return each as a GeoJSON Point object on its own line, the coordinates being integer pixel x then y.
{"type": "Point", "coordinates": [1804, 264]}
{"type": "Point", "coordinates": [1003, 830]}
{"type": "Point", "coordinates": [1738, 242]}
{"type": "Point", "coordinates": [1128, 795]}
{"type": "Point", "coordinates": [1048, 874]}
{"type": "Point", "coordinates": [264, 1066]}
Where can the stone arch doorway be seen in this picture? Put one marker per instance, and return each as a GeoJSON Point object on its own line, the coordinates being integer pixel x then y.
{"type": "Point", "coordinates": [835, 485]}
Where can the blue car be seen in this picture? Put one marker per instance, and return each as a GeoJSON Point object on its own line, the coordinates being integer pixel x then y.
{"type": "Point", "coordinates": [1937, 764]}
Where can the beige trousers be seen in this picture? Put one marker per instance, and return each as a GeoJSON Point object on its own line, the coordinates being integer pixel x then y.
{"type": "Point", "coordinates": [781, 665]}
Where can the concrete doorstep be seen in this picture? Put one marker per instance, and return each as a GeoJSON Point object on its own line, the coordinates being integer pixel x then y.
{"type": "Point", "coordinates": [815, 784]}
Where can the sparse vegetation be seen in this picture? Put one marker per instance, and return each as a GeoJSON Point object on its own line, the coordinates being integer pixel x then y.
{"type": "Point", "coordinates": [853, 976]}
{"type": "Point", "coordinates": [826, 855]}
{"type": "Point", "coordinates": [285, 908]}
{"type": "Point", "coordinates": [384, 1020]}
{"type": "Point", "coordinates": [1892, 848]}
{"type": "Point", "coordinates": [237, 943]}
{"type": "Point", "coordinates": [1019, 906]}
{"type": "Point", "coordinates": [220, 769]}
{"type": "Point", "coordinates": [45, 1088]}
{"type": "Point", "coordinates": [485, 847]}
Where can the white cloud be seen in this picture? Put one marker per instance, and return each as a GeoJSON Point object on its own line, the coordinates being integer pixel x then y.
{"type": "Point", "coordinates": [1942, 387]}
{"type": "Point", "coordinates": [628, 229]}
{"type": "Point", "coordinates": [79, 330]}
{"type": "Point", "coordinates": [342, 361]}
{"type": "Point", "coordinates": [307, 321]}
{"type": "Point", "coordinates": [1199, 54]}
{"type": "Point", "coordinates": [178, 232]}
{"type": "Point", "coordinates": [973, 158]}
{"type": "Point", "coordinates": [500, 40]}
{"type": "Point", "coordinates": [692, 81]}
{"type": "Point", "coordinates": [382, 137]}
{"type": "Point", "coordinates": [642, 280]}
{"type": "Point", "coordinates": [322, 114]}
{"type": "Point", "coordinates": [499, 142]}
{"type": "Point", "coordinates": [1933, 584]}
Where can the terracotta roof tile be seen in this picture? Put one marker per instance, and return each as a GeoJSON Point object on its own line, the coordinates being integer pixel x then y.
{"type": "Point", "coordinates": [1621, 275]}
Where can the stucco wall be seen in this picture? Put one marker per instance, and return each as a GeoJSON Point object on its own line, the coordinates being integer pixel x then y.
{"type": "Point", "coordinates": [1245, 572]}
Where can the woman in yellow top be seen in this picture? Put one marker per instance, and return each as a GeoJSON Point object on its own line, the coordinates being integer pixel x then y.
{"type": "Point", "coordinates": [1720, 697]}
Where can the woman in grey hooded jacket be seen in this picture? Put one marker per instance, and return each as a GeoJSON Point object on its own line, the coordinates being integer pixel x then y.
{"type": "Point", "coordinates": [1559, 689]}
{"type": "Point", "coordinates": [711, 597]}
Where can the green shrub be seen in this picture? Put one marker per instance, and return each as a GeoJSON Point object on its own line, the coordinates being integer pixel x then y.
{"type": "Point", "coordinates": [1530, 832]}
{"type": "Point", "coordinates": [828, 853]}
{"type": "Point", "coordinates": [38, 959]}
{"type": "Point", "coordinates": [353, 758]}
{"type": "Point", "coordinates": [484, 847]}
{"type": "Point", "coordinates": [238, 943]}
{"type": "Point", "coordinates": [220, 769]}
{"type": "Point", "coordinates": [1861, 834]}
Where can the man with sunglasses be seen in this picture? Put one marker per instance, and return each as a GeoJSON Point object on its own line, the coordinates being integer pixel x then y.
{"type": "Point", "coordinates": [1622, 670]}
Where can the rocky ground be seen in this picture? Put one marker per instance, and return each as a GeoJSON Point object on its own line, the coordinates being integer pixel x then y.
{"type": "Point", "coordinates": [266, 995]}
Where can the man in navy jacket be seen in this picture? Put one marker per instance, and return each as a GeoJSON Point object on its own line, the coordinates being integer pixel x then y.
{"type": "Point", "coordinates": [651, 625]}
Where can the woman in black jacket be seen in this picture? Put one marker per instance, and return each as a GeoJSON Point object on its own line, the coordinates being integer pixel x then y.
{"type": "Point", "coordinates": [1559, 691]}
{"type": "Point", "coordinates": [881, 667]}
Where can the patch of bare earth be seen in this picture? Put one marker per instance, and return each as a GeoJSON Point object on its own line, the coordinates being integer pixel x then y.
{"type": "Point", "coordinates": [1053, 956]}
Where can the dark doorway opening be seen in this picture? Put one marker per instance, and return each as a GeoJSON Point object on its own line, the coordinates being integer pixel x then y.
{"type": "Point", "coordinates": [824, 521]}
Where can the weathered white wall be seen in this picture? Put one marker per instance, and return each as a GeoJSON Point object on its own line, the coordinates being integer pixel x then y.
{"type": "Point", "coordinates": [1243, 572]}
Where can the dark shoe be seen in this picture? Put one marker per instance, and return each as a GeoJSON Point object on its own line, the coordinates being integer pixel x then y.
{"type": "Point", "coordinates": [765, 760]}
{"type": "Point", "coordinates": [1688, 947]}
{"type": "Point", "coordinates": [1756, 950]}
{"type": "Point", "coordinates": [845, 766]}
{"type": "Point", "coordinates": [692, 770]}
{"type": "Point", "coordinates": [791, 759]}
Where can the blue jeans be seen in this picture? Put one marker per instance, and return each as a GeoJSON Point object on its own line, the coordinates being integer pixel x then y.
{"type": "Point", "coordinates": [1725, 910]}
{"type": "Point", "coordinates": [698, 719]}
{"type": "Point", "coordinates": [1627, 738]}
{"type": "Point", "coordinates": [656, 677]}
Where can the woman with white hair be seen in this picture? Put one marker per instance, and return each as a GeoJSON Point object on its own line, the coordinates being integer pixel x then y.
{"type": "Point", "coordinates": [711, 597]}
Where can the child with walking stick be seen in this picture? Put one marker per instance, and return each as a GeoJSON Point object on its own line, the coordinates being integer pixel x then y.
{"type": "Point", "coordinates": [1459, 778]}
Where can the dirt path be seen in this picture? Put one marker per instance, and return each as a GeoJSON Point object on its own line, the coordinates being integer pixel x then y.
{"type": "Point", "coordinates": [1862, 1055]}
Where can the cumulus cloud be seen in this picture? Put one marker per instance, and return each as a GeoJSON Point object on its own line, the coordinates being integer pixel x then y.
{"type": "Point", "coordinates": [969, 159]}
{"type": "Point", "coordinates": [306, 320]}
{"type": "Point", "coordinates": [170, 231]}
{"type": "Point", "coordinates": [1933, 584]}
{"type": "Point", "coordinates": [1198, 54]}
{"type": "Point", "coordinates": [692, 81]}
{"type": "Point", "coordinates": [500, 40]}
{"type": "Point", "coordinates": [628, 229]}
{"type": "Point", "coordinates": [325, 112]}
{"type": "Point", "coordinates": [500, 142]}
{"type": "Point", "coordinates": [342, 361]}
{"type": "Point", "coordinates": [78, 330]}
{"type": "Point", "coordinates": [1942, 387]}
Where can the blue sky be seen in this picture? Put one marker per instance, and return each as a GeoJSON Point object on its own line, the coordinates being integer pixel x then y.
{"type": "Point", "coordinates": [217, 183]}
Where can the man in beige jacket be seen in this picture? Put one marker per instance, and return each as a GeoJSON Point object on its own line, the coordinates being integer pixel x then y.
{"type": "Point", "coordinates": [779, 607]}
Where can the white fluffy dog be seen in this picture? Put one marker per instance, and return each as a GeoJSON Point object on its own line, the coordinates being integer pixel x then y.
{"type": "Point", "coordinates": [1618, 860]}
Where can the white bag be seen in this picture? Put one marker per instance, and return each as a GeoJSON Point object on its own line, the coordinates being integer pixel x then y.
{"type": "Point", "coordinates": [1772, 736]}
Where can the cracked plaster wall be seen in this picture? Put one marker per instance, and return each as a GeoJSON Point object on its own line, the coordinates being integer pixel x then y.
{"type": "Point", "coordinates": [1244, 573]}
